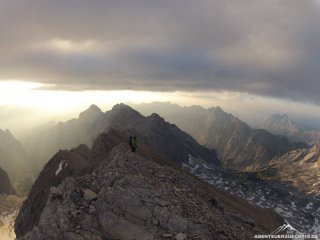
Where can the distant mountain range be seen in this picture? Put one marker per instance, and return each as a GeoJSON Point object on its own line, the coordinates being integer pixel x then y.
{"type": "Point", "coordinates": [44, 142]}
{"type": "Point", "coordinates": [239, 147]}
{"type": "Point", "coordinates": [282, 124]}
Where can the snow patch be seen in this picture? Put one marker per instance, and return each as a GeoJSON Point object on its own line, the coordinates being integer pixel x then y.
{"type": "Point", "coordinates": [309, 206]}
{"type": "Point", "coordinates": [60, 167]}
{"type": "Point", "coordinates": [278, 210]}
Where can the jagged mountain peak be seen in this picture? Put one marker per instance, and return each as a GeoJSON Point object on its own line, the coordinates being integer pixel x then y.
{"type": "Point", "coordinates": [121, 106]}
{"type": "Point", "coordinates": [156, 117]}
{"type": "Point", "coordinates": [281, 124]}
{"type": "Point", "coordinates": [92, 112]}
{"type": "Point", "coordinates": [121, 117]}
{"type": "Point", "coordinates": [280, 117]}
{"type": "Point", "coordinates": [218, 111]}
{"type": "Point", "coordinates": [160, 133]}
{"type": "Point", "coordinates": [124, 109]}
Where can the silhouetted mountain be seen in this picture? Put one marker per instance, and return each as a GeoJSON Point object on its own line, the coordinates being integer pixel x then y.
{"type": "Point", "coordinates": [13, 157]}
{"type": "Point", "coordinates": [91, 114]}
{"type": "Point", "coordinates": [48, 139]}
{"type": "Point", "coordinates": [167, 138]}
{"type": "Point", "coordinates": [238, 146]}
{"type": "Point", "coordinates": [5, 184]}
{"type": "Point", "coordinates": [282, 124]}
{"type": "Point", "coordinates": [116, 194]}
{"type": "Point", "coordinates": [161, 135]}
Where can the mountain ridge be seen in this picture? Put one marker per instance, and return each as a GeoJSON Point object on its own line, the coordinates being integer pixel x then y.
{"type": "Point", "coordinates": [147, 131]}
{"type": "Point", "coordinates": [239, 147]}
{"type": "Point", "coordinates": [76, 131]}
{"type": "Point", "coordinates": [145, 196]}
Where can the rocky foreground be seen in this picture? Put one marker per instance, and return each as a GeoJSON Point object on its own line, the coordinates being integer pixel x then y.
{"type": "Point", "coordinates": [141, 196]}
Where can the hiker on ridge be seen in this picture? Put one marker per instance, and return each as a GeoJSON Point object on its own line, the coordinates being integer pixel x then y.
{"type": "Point", "coordinates": [133, 143]}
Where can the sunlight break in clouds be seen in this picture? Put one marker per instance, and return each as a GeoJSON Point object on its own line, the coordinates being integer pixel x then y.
{"type": "Point", "coordinates": [28, 94]}
{"type": "Point", "coordinates": [65, 45]}
{"type": "Point", "coordinates": [42, 98]}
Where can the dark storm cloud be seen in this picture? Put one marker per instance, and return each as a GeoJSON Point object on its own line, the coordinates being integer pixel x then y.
{"type": "Point", "coordinates": [261, 47]}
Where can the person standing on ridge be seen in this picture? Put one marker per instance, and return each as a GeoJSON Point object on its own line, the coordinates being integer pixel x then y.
{"type": "Point", "coordinates": [133, 143]}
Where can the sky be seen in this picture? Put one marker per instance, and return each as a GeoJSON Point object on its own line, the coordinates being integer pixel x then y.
{"type": "Point", "coordinates": [250, 57]}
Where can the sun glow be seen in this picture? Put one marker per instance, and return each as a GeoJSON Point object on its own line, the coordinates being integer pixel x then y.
{"type": "Point", "coordinates": [70, 46]}
{"type": "Point", "coordinates": [28, 94]}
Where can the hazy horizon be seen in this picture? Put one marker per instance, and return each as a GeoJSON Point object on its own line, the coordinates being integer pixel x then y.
{"type": "Point", "coordinates": [22, 120]}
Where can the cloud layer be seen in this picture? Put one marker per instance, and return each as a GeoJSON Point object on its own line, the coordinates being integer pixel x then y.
{"type": "Point", "coordinates": [267, 47]}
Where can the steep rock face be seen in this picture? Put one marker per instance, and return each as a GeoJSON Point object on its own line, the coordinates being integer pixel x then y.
{"type": "Point", "coordinates": [131, 196]}
{"type": "Point", "coordinates": [13, 157]}
{"type": "Point", "coordinates": [238, 146]}
{"type": "Point", "coordinates": [93, 122]}
{"type": "Point", "coordinates": [63, 164]}
{"type": "Point", "coordinates": [5, 184]}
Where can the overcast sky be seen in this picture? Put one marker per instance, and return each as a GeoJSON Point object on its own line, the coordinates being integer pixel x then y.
{"type": "Point", "coordinates": [251, 57]}
{"type": "Point", "coordinates": [265, 47]}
